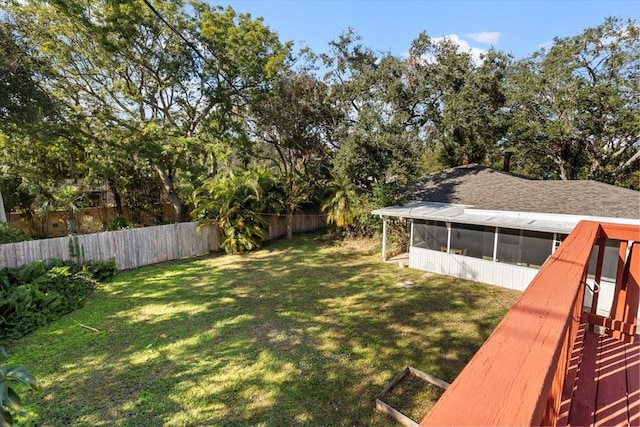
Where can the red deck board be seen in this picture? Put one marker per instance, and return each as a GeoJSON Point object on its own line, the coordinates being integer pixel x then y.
{"type": "Point", "coordinates": [633, 381]}
{"type": "Point", "coordinates": [611, 402]}
{"type": "Point", "coordinates": [602, 386]}
{"type": "Point", "coordinates": [572, 377]}
{"type": "Point", "coordinates": [584, 397]}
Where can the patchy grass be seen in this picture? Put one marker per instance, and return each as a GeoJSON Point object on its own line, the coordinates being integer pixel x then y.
{"type": "Point", "coordinates": [303, 332]}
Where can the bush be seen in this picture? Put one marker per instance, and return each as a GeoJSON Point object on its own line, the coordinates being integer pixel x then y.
{"type": "Point", "coordinates": [9, 233]}
{"type": "Point", "coordinates": [40, 292]}
{"type": "Point", "coordinates": [236, 201]}
{"type": "Point", "coordinates": [360, 221]}
{"type": "Point", "coordinates": [118, 223]}
{"type": "Point", "coordinates": [101, 271]}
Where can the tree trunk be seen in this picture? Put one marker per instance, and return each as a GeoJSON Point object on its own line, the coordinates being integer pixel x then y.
{"type": "Point", "coordinates": [562, 169]}
{"type": "Point", "coordinates": [289, 223]}
{"type": "Point", "coordinates": [116, 198]}
{"type": "Point", "coordinates": [180, 209]}
{"type": "Point", "coordinates": [72, 226]}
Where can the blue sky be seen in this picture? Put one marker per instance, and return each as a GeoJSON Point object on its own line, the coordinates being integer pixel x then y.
{"type": "Point", "coordinates": [517, 27]}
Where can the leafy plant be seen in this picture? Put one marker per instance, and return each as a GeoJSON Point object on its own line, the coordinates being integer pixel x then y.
{"type": "Point", "coordinates": [10, 400]}
{"type": "Point", "coordinates": [40, 292]}
{"type": "Point", "coordinates": [118, 223]}
{"type": "Point", "coordinates": [350, 210]}
{"type": "Point", "coordinates": [237, 201]}
{"type": "Point", "coordinates": [101, 271]}
{"type": "Point", "coordinates": [9, 233]}
{"type": "Point", "coordinates": [340, 208]}
{"type": "Point", "coordinates": [71, 200]}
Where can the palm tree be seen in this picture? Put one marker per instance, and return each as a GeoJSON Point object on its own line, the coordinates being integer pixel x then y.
{"type": "Point", "coordinates": [71, 200]}
{"type": "Point", "coordinates": [340, 208]}
{"type": "Point", "coordinates": [236, 201]}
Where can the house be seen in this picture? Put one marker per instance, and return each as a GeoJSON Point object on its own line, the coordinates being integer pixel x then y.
{"type": "Point", "coordinates": [563, 354]}
{"type": "Point", "coordinates": [489, 226]}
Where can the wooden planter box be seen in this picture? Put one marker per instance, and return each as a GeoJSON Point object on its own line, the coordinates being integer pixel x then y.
{"type": "Point", "coordinates": [385, 408]}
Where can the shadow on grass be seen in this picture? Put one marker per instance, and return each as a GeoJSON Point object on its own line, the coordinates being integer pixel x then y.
{"type": "Point", "coordinates": [299, 333]}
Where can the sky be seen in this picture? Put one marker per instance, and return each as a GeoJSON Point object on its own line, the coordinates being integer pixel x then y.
{"type": "Point", "coordinates": [518, 27]}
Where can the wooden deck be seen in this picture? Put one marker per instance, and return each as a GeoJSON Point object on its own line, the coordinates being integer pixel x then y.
{"type": "Point", "coordinates": [603, 382]}
{"type": "Point", "coordinates": [520, 373]}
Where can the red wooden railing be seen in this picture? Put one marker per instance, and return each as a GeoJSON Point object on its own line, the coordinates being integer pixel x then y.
{"type": "Point", "coordinates": [517, 376]}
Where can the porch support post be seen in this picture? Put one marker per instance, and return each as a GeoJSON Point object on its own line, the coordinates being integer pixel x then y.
{"type": "Point", "coordinates": [384, 238]}
{"type": "Point", "coordinates": [621, 307]}
{"type": "Point", "coordinates": [495, 244]}
{"type": "Point", "coordinates": [411, 234]}
{"type": "Point", "coordinates": [448, 237]}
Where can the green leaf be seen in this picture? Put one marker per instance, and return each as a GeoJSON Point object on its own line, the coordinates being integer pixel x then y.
{"type": "Point", "coordinates": [21, 375]}
{"type": "Point", "coordinates": [6, 420]}
{"type": "Point", "coordinates": [12, 400]}
{"type": "Point", "coordinates": [4, 389]}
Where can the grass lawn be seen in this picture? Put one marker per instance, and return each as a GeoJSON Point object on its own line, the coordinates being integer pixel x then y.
{"type": "Point", "coordinates": [303, 332]}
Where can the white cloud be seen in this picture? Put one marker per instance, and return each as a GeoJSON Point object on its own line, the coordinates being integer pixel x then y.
{"type": "Point", "coordinates": [463, 46]}
{"type": "Point", "coordinates": [485, 37]}
{"type": "Point", "coordinates": [546, 46]}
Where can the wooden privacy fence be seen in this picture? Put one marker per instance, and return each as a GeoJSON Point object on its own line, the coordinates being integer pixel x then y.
{"type": "Point", "coordinates": [129, 248]}
{"type": "Point", "coordinates": [139, 246]}
{"type": "Point", "coordinates": [302, 223]}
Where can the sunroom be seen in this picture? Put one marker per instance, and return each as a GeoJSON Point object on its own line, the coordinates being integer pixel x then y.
{"type": "Point", "coordinates": [502, 248]}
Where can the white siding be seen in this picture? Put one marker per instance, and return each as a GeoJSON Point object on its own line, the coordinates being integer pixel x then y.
{"type": "Point", "coordinates": [499, 274]}
{"type": "Point", "coordinates": [478, 270]}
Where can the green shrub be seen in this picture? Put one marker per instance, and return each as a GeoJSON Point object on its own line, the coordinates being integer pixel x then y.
{"type": "Point", "coordinates": [102, 271]}
{"type": "Point", "coordinates": [237, 201]}
{"type": "Point", "coordinates": [118, 223]}
{"type": "Point", "coordinates": [41, 292]}
{"type": "Point", "coordinates": [9, 233]}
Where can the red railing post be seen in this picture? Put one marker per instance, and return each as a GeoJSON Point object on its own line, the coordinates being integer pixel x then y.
{"type": "Point", "coordinates": [624, 310]}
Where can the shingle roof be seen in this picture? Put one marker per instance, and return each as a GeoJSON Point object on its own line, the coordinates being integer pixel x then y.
{"type": "Point", "coordinates": [486, 188]}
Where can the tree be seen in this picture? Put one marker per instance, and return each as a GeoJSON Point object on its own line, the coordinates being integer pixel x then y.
{"type": "Point", "coordinates": [293, 132]}
{"type": "Point", "coordinates": [69, 199]}
{"type": "Point", "coordinates": [237, 202]}
{"type": "Point", "coordinates": [26, 109]}
{"type": "Point", "coordinates": [377, 142]}
{"type": "Point", "coordinates": [340, 207]}
{"type": "Point", "coordinates": [172, 85]}
{"type": "Point", "coordinates": [577, 104]}
{"type": "Point", "coordinates": [459, 101]}
{"type": "Point", "coordinates": [23, 102]}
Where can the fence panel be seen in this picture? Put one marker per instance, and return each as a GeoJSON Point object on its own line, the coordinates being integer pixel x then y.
{"type": "Point", "coordinates": [129, 248]}
{"type": "Point", "coordinates": [140, 246]}
{"type": "Point", "coordinates": [302, 223]}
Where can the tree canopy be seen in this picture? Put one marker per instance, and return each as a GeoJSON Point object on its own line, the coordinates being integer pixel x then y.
{"type": "Point", "coordinates": [142, 95]}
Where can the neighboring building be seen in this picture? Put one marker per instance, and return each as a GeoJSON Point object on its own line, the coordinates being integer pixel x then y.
{"type": "Point", "coordinates": [480, 224]}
